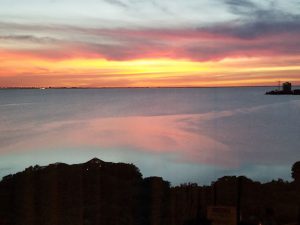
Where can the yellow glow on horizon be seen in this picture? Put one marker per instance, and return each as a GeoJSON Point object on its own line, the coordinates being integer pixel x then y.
{"type": "Point", "coordinates": [135, 66]}
{"type": "Point", "coordinates": [145, 72]}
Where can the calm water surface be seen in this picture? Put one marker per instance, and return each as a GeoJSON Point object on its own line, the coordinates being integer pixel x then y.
{"type": "Point", "coordinates": [184, 134]}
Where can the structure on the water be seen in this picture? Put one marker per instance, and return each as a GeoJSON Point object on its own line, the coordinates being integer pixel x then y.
{"type": "Point", "coordinates": [286, 90]}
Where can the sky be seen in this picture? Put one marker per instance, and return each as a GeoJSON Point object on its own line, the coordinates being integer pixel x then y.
{"type": "Point", "coordinates": [134, 43]}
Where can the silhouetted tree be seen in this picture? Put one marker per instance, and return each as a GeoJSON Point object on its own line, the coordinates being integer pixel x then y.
{"type": "Point", "coordinates": [98, 192]}
{"type": "Point", "coordinates": [296, 171]}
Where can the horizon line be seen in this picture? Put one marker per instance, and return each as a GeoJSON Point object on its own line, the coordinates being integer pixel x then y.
{"type": "Point", "coordinates": [128, 87]}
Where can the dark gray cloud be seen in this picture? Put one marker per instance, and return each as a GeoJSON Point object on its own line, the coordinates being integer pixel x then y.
{"type": "Point", "coordinates": [117, 3]}
{"type": "Point", "coordinates": [258, 28]}
{"type": "Point", "coordinates": [241, 6]}
{"type": "Point", "coordinates": [258, 20]}
{"type": "Point", "coordinates": [30, 38]}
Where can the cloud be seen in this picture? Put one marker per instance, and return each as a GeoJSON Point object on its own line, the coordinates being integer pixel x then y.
{"type": "Point", "coordinates": [30, 38]}
{"type": "Point", "coordinates": [264, 29]}
{"type": "Point", "coordinates": [197, 45]}
{"type": "Point", "coordinates": [117, 3]}
{"type": "Point", "coordinates": [203, 44]}
{"type": "Point", "coordinates": [262, 18]}
{"type": "Point", "coordinates": [241, 7]}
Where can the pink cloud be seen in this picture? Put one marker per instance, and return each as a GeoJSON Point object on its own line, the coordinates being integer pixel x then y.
{"type": "Point", "coordinates": [198, 44]}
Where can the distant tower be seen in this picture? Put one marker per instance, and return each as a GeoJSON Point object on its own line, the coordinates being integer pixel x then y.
{"type": "Point", "coordinates": [287, 87]}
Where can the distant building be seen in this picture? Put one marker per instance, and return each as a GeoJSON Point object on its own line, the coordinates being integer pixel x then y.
{"type": "Point", "coordinates": [286, 90]}
{"type": "Point", "coordinates": [287, 87]}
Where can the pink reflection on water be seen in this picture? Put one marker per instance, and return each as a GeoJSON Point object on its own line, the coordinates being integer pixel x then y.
{"type": "Point", "coordinates": [170, 134]}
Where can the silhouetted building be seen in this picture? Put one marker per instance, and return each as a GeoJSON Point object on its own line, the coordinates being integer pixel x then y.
{"type": "Point", "coordinates": [287, 87]}
{"type": "Point", "coordinates": [286, 90]}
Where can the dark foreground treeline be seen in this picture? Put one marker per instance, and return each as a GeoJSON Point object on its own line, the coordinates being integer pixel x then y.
{"type": "Point", "coordinates": [105, 193]}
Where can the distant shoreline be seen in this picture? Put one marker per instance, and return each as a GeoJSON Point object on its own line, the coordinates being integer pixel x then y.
{"type": "Point", "coordinates": [163, 87]}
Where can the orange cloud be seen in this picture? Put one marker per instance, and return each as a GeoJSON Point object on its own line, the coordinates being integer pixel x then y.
{"type": "Point", "coordinates": [151, 57]}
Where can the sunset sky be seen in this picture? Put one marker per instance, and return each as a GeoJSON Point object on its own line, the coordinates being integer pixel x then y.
{"type": "Point", "coordinates": [133, 43]}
